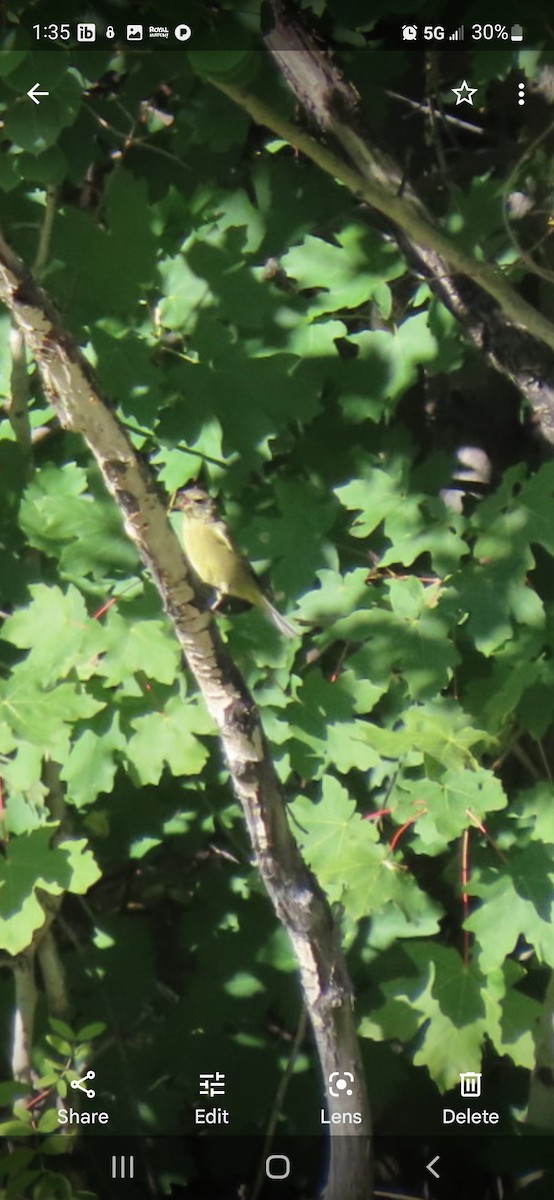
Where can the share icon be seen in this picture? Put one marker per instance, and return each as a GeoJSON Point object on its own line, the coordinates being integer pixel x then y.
{"type": "Point", "coordinates": [78, 1083]}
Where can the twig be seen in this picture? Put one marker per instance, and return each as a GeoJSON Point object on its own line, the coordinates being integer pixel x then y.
{"type": "Point", "coordinates": [465, 878]}
{"type": "Point", "coordinates": [513, 337]}
{"type": "Point", "coordinates": [544, 759]}
{"type": "Point", "coordinates": [18, 408]}
{"type": "Point", "coordinates": [279, 1102]}
{"type": "Point", "coordinates": [45, 236]}
{"type": "Point", "coordinates": [534, 267]}
{"type": "Point", "coordinates": [427, 109]}
{"type": "Point", "coordinates": [374, 177]}
{"type": "Point", "coordinates": [526, 760]}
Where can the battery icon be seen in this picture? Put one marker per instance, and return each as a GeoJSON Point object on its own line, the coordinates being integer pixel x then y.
{"type": "Point", "coordinates": [516, 33]}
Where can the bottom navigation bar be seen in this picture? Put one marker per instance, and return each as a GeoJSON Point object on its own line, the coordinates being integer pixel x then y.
{"type": "Point", "coordinates": [211, 1166]}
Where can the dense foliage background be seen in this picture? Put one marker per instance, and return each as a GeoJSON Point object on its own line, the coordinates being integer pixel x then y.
{"type": "Point", "coordinates": [256, 326]}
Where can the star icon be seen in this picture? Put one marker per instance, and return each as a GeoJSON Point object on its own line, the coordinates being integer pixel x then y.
{"type": "Point", "coordinates": [464, 93]}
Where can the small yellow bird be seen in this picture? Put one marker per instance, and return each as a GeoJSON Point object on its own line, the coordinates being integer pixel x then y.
{"type": "Point", "coordinates": [216, 559]}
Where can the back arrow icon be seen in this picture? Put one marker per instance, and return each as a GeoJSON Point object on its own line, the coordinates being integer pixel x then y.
{"type": "Point", "coordinates": [34, 93]}
{"type": "Point", "coordinates": [430, 1166]}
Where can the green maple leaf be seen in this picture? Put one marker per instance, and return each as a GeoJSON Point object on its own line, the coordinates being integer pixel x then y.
{"type": "Point", "coordinates": [31, 863]}
{"type": "Point", "coordinates": [91, 764]}
{"type": "Point", "coordinates": [444, 809]}
{"type": "Point", "coordinates": [57, 631]}
{"type": "Point", "coordinates": [43, 716]}
{"type": "Point", "coordinates": [518, 901]}
{"type": "Point", "coordinates": [344, 851]}
{"type": "Point", "coordinates": [169, 737]}
{"type": "Point", "coordinates": [133, 646]}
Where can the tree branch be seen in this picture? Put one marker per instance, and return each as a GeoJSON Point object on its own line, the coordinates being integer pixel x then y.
{"type": "Point", "coordinates": [401, 211]}
{"type": "Point", "coordinates": [53, 975]}
{"type": "Point", "coordinates": [516, 339]}
{"type": "Point", "coordinates": [69, 383]}
{"type": "Point", "coordinates": [24, 1016]}
{"type": "Point", "coordinates": [18, 407]}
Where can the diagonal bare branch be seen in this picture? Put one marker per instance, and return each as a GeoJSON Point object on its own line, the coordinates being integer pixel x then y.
{"type": "Point", "coordinates": [299, 903]}
{"type": "Point", "coordinates": [513, 336]}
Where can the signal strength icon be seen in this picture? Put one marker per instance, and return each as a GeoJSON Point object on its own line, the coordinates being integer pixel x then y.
{"type": "Point", "coordinates": [458, 35]}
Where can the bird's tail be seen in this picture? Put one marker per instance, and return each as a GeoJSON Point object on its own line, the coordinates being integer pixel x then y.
{"type": "Point", "coordinates": [279, 621]}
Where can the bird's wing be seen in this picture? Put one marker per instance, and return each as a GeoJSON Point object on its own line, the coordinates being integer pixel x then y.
{"type": "Point", "coordinates": [243, 568]}
{"type": "Point", "coordinates": [222, 534]}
